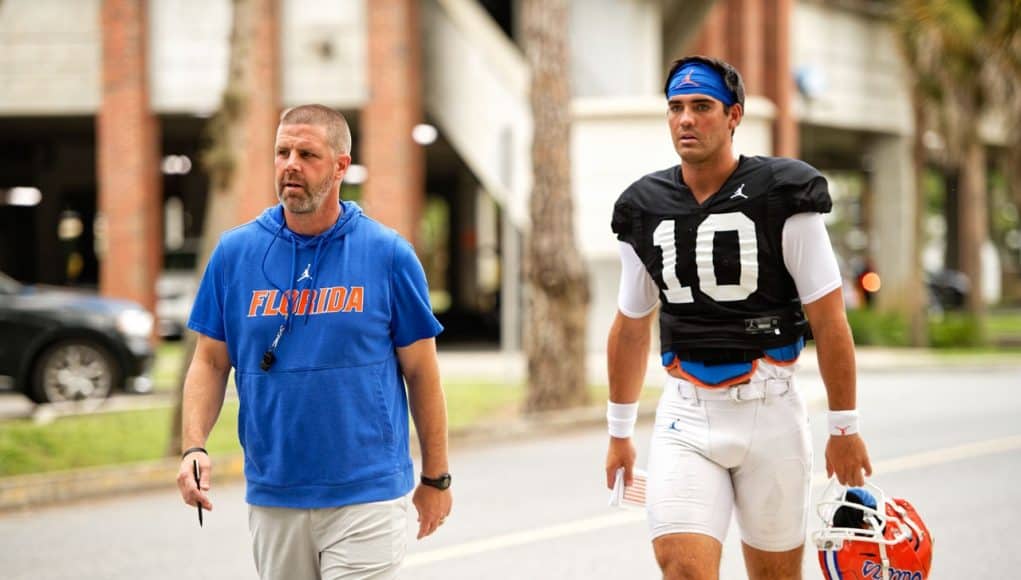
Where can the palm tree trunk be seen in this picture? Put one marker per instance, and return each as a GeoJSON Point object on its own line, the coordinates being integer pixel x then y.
{"type": "Point", "coordinates": [558, 293]}
{"type": "Point", "coordinates": [973, 223]}
{"type": "Point", "coordinates": [226, 133]}
{"type": "Point", "coordinates": [918, 327]}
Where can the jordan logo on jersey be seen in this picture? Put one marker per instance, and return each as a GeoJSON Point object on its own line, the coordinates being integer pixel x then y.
{"type": "Point", "coordinates": [305, 275]}
{"type": "Point", "coordinates": [739, 193]}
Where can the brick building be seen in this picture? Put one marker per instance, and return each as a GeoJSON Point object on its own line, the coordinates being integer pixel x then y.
{"type": "Point", "coordinates": [104, 103]}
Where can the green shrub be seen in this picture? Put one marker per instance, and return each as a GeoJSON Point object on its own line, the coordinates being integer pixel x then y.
{"type": "Point", "coordinates": [955, 330]}
{"type": "Point", "coordinates": [871, 328]}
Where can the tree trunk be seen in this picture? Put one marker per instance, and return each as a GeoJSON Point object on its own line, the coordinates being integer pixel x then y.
{"type": "Point", "coordinates": [556, 275]}
{"type": "Point", "coordinates": [226, 135]}
{"type": "Point", "coordinates": [918, 321]}
{"type": "Point", "coordinates": [973, 223]}
{"type": "Point", "coordinates": [951, 215]}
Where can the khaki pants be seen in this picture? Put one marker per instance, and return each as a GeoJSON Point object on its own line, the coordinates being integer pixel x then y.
{"type": "Point", "coordinates": [362, 541]}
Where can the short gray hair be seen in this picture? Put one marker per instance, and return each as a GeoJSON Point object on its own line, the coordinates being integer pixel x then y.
{"type": "Point", "coordinates": [338, 134]}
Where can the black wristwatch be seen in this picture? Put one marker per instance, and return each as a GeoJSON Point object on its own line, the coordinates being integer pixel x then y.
{"type": "Point", "coordinates": [441, 482]}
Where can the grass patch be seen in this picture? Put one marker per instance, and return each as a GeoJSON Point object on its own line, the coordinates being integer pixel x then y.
{"type": "Point", "coordinates": [955, 330]}
{"type": "Point", "coordinates": [142, 435]}
{"type": "Point", "coordinates": [872, 328]}
{"type": "Point", "coordinates": [468, 402]}
{"type": "Point", "coordinates": [1004, 322]}
{"type": "Point", "coordinates": [167, 366]}
{"type": "Point", "coordinates": [948, 330]}
{"type": "Point", "coordinates": [100, 439]}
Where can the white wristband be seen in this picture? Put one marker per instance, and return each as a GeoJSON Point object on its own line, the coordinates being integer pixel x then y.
{"type": "Point", "coordinates": [621, 418]}
{"type": "Point", "coordinates": [843, 422]}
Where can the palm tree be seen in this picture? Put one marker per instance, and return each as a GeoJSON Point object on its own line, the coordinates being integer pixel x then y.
{"type": "Point", "coordinates": [1004, 78]}
{"type": "Point", "coordinates": [951, 51]}
{"type": "Point", "coordinates": [558, 293]}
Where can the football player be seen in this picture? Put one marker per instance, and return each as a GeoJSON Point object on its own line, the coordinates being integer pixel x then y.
{"type": "Point", "coordinates": [735, 253]}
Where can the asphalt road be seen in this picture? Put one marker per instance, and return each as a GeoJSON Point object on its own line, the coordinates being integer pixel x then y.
{"type": "Point", "coordinates": [948, 440]}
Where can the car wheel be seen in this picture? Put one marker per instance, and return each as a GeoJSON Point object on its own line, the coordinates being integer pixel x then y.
{"type": "Point", "coordinates": [73, 371]}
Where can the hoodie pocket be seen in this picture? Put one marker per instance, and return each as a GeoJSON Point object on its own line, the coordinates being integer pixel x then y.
{"type": "Point", "coordinates": [318, 427]}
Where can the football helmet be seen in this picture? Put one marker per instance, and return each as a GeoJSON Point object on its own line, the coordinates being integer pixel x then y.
{"type": "Point", "coordinates": [867, 536]}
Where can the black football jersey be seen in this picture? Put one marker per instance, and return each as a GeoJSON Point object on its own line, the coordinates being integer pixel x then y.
{"type": "Point", "coordinates": [725, 293]}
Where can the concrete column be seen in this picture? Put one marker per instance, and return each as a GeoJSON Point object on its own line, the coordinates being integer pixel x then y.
{"type": "Point", "coordinates": [510, 285]}
{"type": "Point", "coordinates": [254, 182]}
{"type": "Point", "coordinates": [127, 140]}
{"type": "Point", "coordinates": [395, 190]}
{"type": "Point", "coordinates": [892, 220]}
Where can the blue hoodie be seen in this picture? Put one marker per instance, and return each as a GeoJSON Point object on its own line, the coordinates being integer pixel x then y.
{"type": "Point", "coordinates": [327, 424]}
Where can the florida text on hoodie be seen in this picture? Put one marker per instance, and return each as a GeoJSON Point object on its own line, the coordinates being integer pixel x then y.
{"type": "Point", "coordinates": [327, 424]}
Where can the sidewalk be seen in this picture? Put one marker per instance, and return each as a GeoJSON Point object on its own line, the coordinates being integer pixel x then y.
{"type": "Point", "coordinates": [21, 492]}
{"type": "Point", "coordinates": [510, 366]}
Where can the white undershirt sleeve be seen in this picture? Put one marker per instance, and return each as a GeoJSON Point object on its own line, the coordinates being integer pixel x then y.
{"type": "Point", "coordinates": [638, 294]}
{"type": "Point", "coordinates": [809, 257]}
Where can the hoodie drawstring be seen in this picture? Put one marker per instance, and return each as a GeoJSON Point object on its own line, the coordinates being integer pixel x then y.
{"type": "Point", "coordinates": [291, 297]}
{"type": "Point", "coordinates": [315, 275]}
{"type": "Point", "coordinates": [268, 357]}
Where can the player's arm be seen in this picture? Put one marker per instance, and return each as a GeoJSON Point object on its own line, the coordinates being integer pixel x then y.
{"type": "Point", "coordinates": [429, 412]}
{"type": "Point", "coordinates": [809, 258]}
{"type": "Point", "coordinates": [834, 349]}
{"type": "Point", "coordinates": [627, 351]}
{"type": "Point", "coordinates": [204, 388]}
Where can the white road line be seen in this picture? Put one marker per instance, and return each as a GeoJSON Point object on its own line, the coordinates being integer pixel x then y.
{"type": "Point", "coordinates": [525, 537]}
{"type": "Point", "coordinates": [618, 518]}
{"type": "Point", "coordinates": [947, 455]}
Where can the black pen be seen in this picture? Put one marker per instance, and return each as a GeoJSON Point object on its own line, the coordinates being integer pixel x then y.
{"type": "Point", "coordinates": [195, 467]}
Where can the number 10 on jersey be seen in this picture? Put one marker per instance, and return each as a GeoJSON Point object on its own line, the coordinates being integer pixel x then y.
{"type": "Point", "coordinates": [664, 237]}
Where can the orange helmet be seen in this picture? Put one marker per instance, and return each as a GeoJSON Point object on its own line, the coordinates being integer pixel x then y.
{"type": "Point", "coordinates": [866, 536]}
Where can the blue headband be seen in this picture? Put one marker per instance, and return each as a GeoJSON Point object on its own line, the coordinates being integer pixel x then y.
{"type": "Point", "coordinates": [696, 78]}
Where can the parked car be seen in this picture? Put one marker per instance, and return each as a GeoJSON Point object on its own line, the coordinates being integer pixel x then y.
{"type": "Point", "coordinates": [175, 291]}
{"type": "Point", "coordinates": [948, 289]}
{"type": "Point", "coordinates": [67, 345]}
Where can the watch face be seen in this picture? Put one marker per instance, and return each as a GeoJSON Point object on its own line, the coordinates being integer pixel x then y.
{"type": "Point", "coordinates": [441, 482]}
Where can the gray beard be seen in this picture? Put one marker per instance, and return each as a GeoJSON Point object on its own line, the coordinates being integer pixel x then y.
{"type": "Point", "coordinates": [306, 204]}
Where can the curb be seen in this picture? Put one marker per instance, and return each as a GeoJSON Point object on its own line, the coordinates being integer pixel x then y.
{"type": "Point", "coordinates": [36, 490]}
{"type": "Point", "coordinates": [23, 492]}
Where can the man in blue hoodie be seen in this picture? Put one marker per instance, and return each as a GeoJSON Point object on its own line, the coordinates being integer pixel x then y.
{"type": "Point", "coordinates": [324, 315]}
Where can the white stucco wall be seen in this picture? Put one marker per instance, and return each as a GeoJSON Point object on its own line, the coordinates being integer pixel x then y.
{"type": "Point", "coordinates": [189, 48]}
{"type": "Point", "coordinates": [49, 57]}
{"type": "Point", "coordinates": [616, 48]}
{"type": "Point", "coordinates": [324, 47]}
{"type": "Point", "coordinates": [854, 63]}
{"type": "Point", "coordinates": [476, 90]}
{"type": "Point", "coordinates": [322, 53]}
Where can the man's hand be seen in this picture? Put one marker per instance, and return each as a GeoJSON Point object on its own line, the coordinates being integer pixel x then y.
{"type": "Point", "coordinates": [191, 493]}
{"type": "Point", "coordinates": [433, 507]}
{"type": "Point", "coordinates": [621, 453]}
{"type": "Point", "coordinates": [847, 457]}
